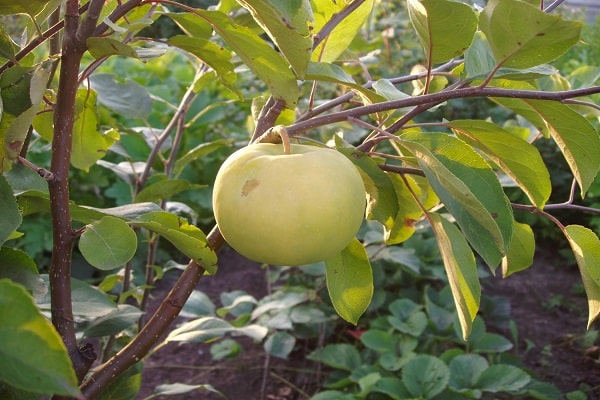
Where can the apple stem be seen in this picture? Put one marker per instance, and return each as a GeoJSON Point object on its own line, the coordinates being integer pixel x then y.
{"type": "Point", "coordinates": [285, 138]}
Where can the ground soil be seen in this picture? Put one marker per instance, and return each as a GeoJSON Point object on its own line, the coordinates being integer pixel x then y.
{"type": "Point", "coordinates": [551, 322]}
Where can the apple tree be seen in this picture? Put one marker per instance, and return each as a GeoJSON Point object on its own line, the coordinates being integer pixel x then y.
{"type": "Point", "coordinates": [310, 72]}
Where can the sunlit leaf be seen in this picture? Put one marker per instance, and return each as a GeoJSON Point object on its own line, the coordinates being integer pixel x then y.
{"type": "Point", "coordinates": [350, 281]}
{"type": "Point", "coordinates": [337, 42]}
{"type": "Point", "coordinates": [409, 212]}
{"type": "Point", "coordinates": [461, 269]}
{"type": "Point", "coordinates": [327, 72]}
{"type": "Point", "coordinates": [104, 46]}
{"type": "Point", "coordinates": [445, 28]}
{"type": "Point", "coordinates": [586, 248]}
{"type": "Point", "coordinates": [187, 238]}
{"type": "Point", "coordinates": [262, 59]}
{"type": "Point", "coordinates": [108, 243]}
{"type": "Point", "coordinates": [523, 36]}
{"type": "Point", "coordinates": [578, 140]}
{"type": "Point", "coordinates": [89, 144]}
{"type": "Point", "coordinates": [521, 250]}
{"type": "Point", "coordinates": [21, 91]}
{"type": "Point", "coordinates": [517, 158]}
{"type": "Point", "coordinates": [217, 57]}
{"type": "Point", "coordinates": [33, 355]}
{"type": "Point", "coordinates": [290, 25]}
{"type": "Point", "coordinates": [174, 389]}
{"type": "Point", "coordinates": [29, 7]}
{"type": "Point", "coordinates": [382, 203]}
{"type": "Point", "coordinates": [208, 329]}
{"type": "Point", "coordinates": [10, 218]}
{"type": "Point", "coordinates": [469, 189]}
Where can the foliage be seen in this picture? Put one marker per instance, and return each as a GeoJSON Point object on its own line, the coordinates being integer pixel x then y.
{"type": "Point", "coordinates": [111, 133]}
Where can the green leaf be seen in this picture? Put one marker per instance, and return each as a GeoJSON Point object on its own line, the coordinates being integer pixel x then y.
{"type": "Point", "coordinates": [382, 202]}
{"type": "Point", "coordinates": [578, 140]}
{"type": "Point", "coordinates": [114, 322]}
{"type": "Point", "coordinates": [409, 214]}
{"type": "Point", "coordinates": [108, 243]}
{"type": "Point", "coordinates": [164, 189]}
{"type": "Point", "coordinates": [196, 153]}
{"type": "Point", "coordinates": [469, 189]}
{"type": "Point", "coordinates": [379, 340]}
{"type": "Point", "coordinates": [517, 158]}
{"type": "Point", "coordinates": [208, 329]}
{"type": "Point", "coordinates": [461, 269]}
{"type": "Point", "coordinates": [33, 355]}
{"type": "Point", "coordinates": [392, 387]}
{"type": "Point", "coordinates": [586, 248]}
{"type": "Point", "coordinates": [340, 356]}
{"type": "Point", "coordinates": [17, 266]}
{"type": "Point", "coordinates": [198, 305]}
{"type": "Point", "coordinates": [480, 62]}
{"type": "Point", "coordinates": [126, 98]}
{"type": "Point", "coordinates": [522, 36]}
{"type": "Point", "coordinates": [188, 239]}
{"type": "Point", "coordinates": [125, 386]}
{"type": "Point", "coordinates": [465, 369]}
{"type": "Point", "coordinates": [503, 378]}
{"type": "Point", "coordinates": [337, 42]}
{"type": "Point", "coordinates": [425, 376]}
{"type": "Point", "coordinates": [217, 57]}
{"type": "Point", "coordinates": [33, 201]}
{"type": "Point", "coordinates": [89, 144]}
{"type": "Point", "coordinates": [88, 301]}
{"type": "Point", "coordinates": [261, 58]}
{"type": "Point", "coordinates": [30, 7]}
{"type": "Point", "coordinates": [520, 251]}
{"type": "Point", "coordinates": [445, 28]}
{"type": "Point", "coordinates": [327, 72]}
{"type": "Point", "coordinates": [191, 25]}
{"type": "Point", "coordinates": [100, 47]}
{"type": "Point", "coordinates": [350, 281]}
{"type": "Point", "coordinates": [280, 344]}
{"type": "Point", "coordinates": [10, 218]}
{"type": "Point", "coordinates": [289, 24]}
{"type": "Point", "coordinates": [21, 91]}
{"type": "Point", "coordinates": [8, 48]}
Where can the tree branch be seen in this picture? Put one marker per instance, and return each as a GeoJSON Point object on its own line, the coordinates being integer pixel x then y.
{"type": "Point", "coordinates": [158, 324]}
{"type": "Point", "coordinates": [58, 186]}
{"type": "Point", "coordinates": [436, 98]}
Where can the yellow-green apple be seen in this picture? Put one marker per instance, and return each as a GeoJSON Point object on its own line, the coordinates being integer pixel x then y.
{"type": "Point", "coordinates": [288, 209]}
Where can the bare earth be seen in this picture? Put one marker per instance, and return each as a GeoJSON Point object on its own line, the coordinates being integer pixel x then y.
{"type": "Point", "coordinates": [550, 332]}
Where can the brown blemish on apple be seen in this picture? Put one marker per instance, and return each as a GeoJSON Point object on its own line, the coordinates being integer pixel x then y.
{"type": "Point", "coordinates": [249, 185]}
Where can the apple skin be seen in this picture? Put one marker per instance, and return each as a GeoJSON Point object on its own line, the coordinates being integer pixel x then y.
{"type": "Point", "coordinates": [288, 209]}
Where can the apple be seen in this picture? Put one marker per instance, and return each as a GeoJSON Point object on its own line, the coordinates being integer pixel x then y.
{"type": "Point", "coordinates": [288, 208]}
